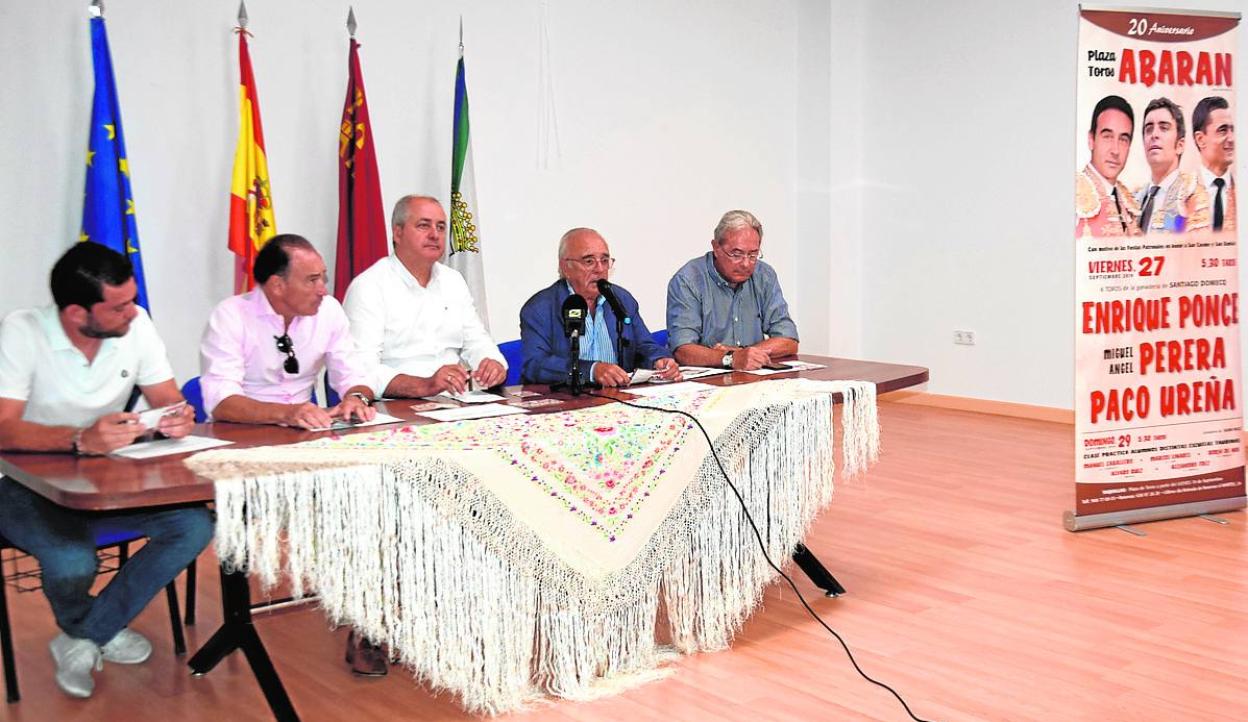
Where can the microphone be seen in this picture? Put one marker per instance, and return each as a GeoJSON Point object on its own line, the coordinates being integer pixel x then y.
{"type": "Point", "coordinates": [573, 315]}
{"type": "Point", "coordinates": [608, 292]}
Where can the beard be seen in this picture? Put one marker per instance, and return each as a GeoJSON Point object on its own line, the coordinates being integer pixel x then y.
{"type": "Point", "coordinates": [93, 330]}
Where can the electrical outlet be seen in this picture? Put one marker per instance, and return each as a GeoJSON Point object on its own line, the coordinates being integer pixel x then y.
{"type": "Point", "coordinates": [964, 338]}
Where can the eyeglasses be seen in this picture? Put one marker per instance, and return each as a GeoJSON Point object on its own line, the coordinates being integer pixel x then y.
{"type": "Point", "coordinates": [286, 346]}
{"type": "Point", "coordinates": [738, 256]}
{"type": "Point", "coordinates": [589, 262]}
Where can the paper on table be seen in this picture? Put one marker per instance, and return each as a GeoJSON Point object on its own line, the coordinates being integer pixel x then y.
{"type": "Point", "coordinates": [480, 411]}
{"type": "Point", "coordinates": [697, 372]}
{"type": "Point", "coordinates": [469, 397]}
{"type": "Point", "coordinates": [791, 367]}
{"type": "Point", "coordinates": [165, 447]}
{"type": "Point", "coordinates": [340, 425]}
{"type": "Point", "coordinates": [683, 387]}
{"type": "Point", "coordinates": [641, 376]}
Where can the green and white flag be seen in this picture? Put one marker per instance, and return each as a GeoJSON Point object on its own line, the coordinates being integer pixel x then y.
{"type": "Point", "coordinates": [463, 252]}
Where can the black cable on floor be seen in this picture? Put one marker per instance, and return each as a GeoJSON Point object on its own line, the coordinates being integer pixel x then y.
{"type": "Point", "coordinates": [758, 535]}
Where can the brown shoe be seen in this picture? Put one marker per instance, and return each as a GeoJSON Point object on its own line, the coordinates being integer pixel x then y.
{"type": "Point", "coordinates": [365, 658]}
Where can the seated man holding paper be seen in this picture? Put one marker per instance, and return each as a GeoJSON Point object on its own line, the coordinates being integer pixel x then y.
{"type": "Point", "coordinates": [606, 357]}
{"type": "Point", "coordinates": [67, 372]}
{"type": "Point", "coordinates": [263, 350]}
{"type": "Point", "coordinates": [414, 317]}
{"type": "Point", "coordinates": [725, 309]}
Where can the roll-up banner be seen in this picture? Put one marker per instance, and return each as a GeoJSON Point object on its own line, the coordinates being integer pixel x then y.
{"type": "Point", "coordinates": [1158, 394]}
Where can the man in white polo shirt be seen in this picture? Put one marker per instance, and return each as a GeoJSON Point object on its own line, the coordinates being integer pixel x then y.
{"type": "Point", "coordinates": [415, 318]}
{"type": "Point", "coordinates": [66, 374]}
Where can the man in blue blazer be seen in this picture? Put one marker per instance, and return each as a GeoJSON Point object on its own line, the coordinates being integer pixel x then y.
{"type": "Point", "coordinates": [584, 259]}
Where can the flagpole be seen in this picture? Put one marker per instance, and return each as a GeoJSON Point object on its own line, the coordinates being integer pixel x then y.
{"type": "Point", "coordinates": [96, 10]}
{"type": "Point", "coordinates": [351, 22]}
{"type": "Point", "coordinates": [242, 14]}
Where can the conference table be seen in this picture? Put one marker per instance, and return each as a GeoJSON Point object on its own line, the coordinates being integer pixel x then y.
{"type": "Point", "coordinates": [114, 483]}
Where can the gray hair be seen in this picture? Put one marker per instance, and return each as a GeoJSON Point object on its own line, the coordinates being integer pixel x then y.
{"type": "Point", "coordinates": [563, 244]}
{"type": "Point", "coordinates": [735, 221]}
{"type": "Point", "coordinates": [399, 216]}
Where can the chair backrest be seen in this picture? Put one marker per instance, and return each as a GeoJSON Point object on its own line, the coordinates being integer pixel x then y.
{"type": "Point", "coordinates": [660, 336]}
{"type": "Point", "coordinates": [511, 352]}
{"type": "Point", "coordinates": [195, 397]}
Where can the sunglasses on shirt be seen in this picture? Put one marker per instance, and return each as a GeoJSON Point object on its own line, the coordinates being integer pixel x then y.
{"type": "Point", "coordinates": [286, 346]}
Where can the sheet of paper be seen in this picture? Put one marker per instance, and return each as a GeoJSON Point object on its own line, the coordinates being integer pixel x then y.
{"type": "Point", "coordinates": [641, 376]}
{"type": "Point", "coordinates": [537, 403]}
{"type": "Point", "coordinates": [479, 411]}
{"type": "Point", "coordinates": [151, 417]}
{"type": "Point", "coordinates": [790, 367]}
{"type": "Point", "coordinates": [378, 420]}
{"type": "Point", "coordinates": [697, 372]}
{"type": "Point", "coordinates": [431, 406]}
{"type": "Point", "coordinates": [165, 447]}
{"type": "Point", "coordinates": [468, 397]}
{"type": "Point", "coordinates": [682, 387]}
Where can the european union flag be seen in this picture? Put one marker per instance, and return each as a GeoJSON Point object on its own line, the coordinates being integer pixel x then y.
{"type": "Point", "coordinates": [108, 212]}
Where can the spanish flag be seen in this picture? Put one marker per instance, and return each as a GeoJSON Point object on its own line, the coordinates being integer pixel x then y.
{"type": "Point", "coordinates": [252, 223]}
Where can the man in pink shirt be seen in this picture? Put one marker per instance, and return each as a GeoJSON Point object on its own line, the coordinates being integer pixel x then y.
{"type": "Point", "coordinates": [263, 350]}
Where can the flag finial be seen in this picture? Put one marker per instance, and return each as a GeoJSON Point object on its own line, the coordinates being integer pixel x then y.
{"type": "Point", "coordinates": [97, 9]}
{"type": "Point", "coordinates": [242, 14]}
{"type": "Point", "coordinates": [461, 33]}
{"type": "Point", "coordinates": [351, 20]}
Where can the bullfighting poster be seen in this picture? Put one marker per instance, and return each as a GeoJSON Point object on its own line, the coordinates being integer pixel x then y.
{"type": "Point", "coordinates": [1158, 395]}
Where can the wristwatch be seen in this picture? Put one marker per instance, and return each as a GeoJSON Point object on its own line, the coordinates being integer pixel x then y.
{"type": "Point", "coordinates": [363, 399]}
{"type": "Point", "coordinates": [727, 360]}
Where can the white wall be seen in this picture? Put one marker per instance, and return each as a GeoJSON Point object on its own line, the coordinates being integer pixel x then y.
{"type": "Point", "coordinates": [911, 161]}
{"type": "Point", "coordinates": [668, 114]}
{"type": "Point", "coordinates": [968, 118]}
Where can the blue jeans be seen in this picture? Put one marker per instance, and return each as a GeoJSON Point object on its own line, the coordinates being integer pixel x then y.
{"type": "Point", "coordinates": [63, 540]}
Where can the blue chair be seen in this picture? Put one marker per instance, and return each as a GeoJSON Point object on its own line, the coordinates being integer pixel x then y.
{"type": "Point", "coordinates": [195, 397]}
{"type": "Point", "coordinates": [511, 352]}
{"type": "Point", "coordinates": [119, 540]}
{"type": "Point", "coordinates": [660, 336]}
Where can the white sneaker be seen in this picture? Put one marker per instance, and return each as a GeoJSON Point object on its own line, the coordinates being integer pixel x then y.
{"type": "Point", "coordinates": [75, 660]}
{"type": "Point", "coordinates": [127, 647]}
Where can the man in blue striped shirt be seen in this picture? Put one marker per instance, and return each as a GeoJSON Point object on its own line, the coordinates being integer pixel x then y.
{"type": "Point", "coordinates": [605, 358]}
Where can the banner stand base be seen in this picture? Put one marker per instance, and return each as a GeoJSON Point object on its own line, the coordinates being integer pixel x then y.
{"type": "Point", "coordinates": [1130, 530]}
{"type": "Point", "coordinates": [1215, 519]}
{"type": "Point", "coordinates": [1158, 513]}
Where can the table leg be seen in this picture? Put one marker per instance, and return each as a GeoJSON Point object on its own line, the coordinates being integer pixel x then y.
{"type": "Point", "coordinates": [817, 572]}
{"type": "Point", "coordinates": [238, 632]}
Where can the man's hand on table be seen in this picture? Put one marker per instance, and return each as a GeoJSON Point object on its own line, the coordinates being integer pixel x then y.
{"type": "Point", "coordinates": [353, 408]}
{"type": "Point", "coordinates": [746, 358]}
{"type": "Point", "coordinates": [489, 373]}
{"type": "Point", "coordinates": [177, 423]}
{"type": "Point", "coordinates": [668, 369]}
{"type": "Point", "coordinates": [109, 433]}
{"type": "Point", "coordinates": [607, 375]}
{"type": "Point", "coordinates": [307, 416]}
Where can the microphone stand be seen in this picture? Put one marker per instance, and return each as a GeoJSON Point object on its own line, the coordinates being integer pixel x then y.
{"type": "Point", "coordinates": [575, 382]}
{"type": "Point", "coordinates": [621, 343]}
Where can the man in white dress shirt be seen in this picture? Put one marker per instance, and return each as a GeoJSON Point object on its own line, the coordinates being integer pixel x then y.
{"type": "Point", "coordinates": [415, 316]}
{"type": "Point", "coordinates": [1213, 131]}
